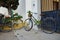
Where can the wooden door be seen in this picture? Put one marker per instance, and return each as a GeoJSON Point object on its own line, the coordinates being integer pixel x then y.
{"type": "Point", "coordinates": [55, 5]}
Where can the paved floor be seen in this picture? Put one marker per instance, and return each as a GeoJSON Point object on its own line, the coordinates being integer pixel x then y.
{"type": "Point", "coordinates": [7, 36]}
{"type": "Point", "coordinates": [31, 35]}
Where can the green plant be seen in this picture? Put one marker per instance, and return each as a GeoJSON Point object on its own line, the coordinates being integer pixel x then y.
{"type": "Point", "coordinates": [29, 14]}
{"type": "Point", "coordinates": [13, 4]}
{"type": "Point", "coordinates": [18, 17]}
{"type": "Point", "coordinates": [38, 22]}
{"type": "Point", "coordinates": [15, 18]}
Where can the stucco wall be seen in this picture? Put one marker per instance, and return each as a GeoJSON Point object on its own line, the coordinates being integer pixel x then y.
{"type": "Point", "coordinates": [22, 9]}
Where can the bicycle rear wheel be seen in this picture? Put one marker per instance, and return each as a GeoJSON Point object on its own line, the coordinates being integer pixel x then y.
{"type": "Point", "coordinates": [28, 24]}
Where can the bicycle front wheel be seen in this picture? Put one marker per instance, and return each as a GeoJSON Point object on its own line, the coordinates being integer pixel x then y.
{"type": "Point", "coordinates": [28, 24]}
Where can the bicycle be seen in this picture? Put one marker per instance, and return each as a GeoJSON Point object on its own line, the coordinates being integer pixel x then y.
{"type": "Point", "coordinates": [30, 20]}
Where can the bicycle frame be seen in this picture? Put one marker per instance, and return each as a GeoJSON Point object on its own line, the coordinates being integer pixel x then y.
{"type": "Point", "coordinates": [34, 19]}
{"type": "Point", "coordinates": [36, 22]}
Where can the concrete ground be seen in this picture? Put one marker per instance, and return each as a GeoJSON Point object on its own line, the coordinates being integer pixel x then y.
{"type": "Point", "coordinates": [31, 35]}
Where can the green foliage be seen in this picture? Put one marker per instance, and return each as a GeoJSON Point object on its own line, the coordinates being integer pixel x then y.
{"type": "Point", "coordinates": [37, 22]}
{"type": "Point", "coordinates": [17, 17]}
{"type": "Point", "coordinates": [29, 12]}
{"type": "Point", "coordinates": [6, 20]}
{"type": "Point", "coordinates": [9, 3]}
{"type": "Point", "coordinates": [16, 14]}
{"type": "Point", "coordinates": [14, 18]}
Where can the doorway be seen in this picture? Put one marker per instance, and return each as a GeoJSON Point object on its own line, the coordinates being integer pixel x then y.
{"type": "Point", "coordinates": [55, 5]}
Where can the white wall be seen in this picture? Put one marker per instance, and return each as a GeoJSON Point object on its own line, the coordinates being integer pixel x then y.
{"type": "Point", "coordinates": [22, 9]}
{"type": "Point", "coordinates": [28, 6]}
{"type": "Point", "coordinates": [39, 8]}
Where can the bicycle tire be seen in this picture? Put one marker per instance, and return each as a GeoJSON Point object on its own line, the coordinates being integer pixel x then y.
{"type": "Point", "coordinates": [46, 25]}
{"type": "Point", "coordinates": [28, 28]}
